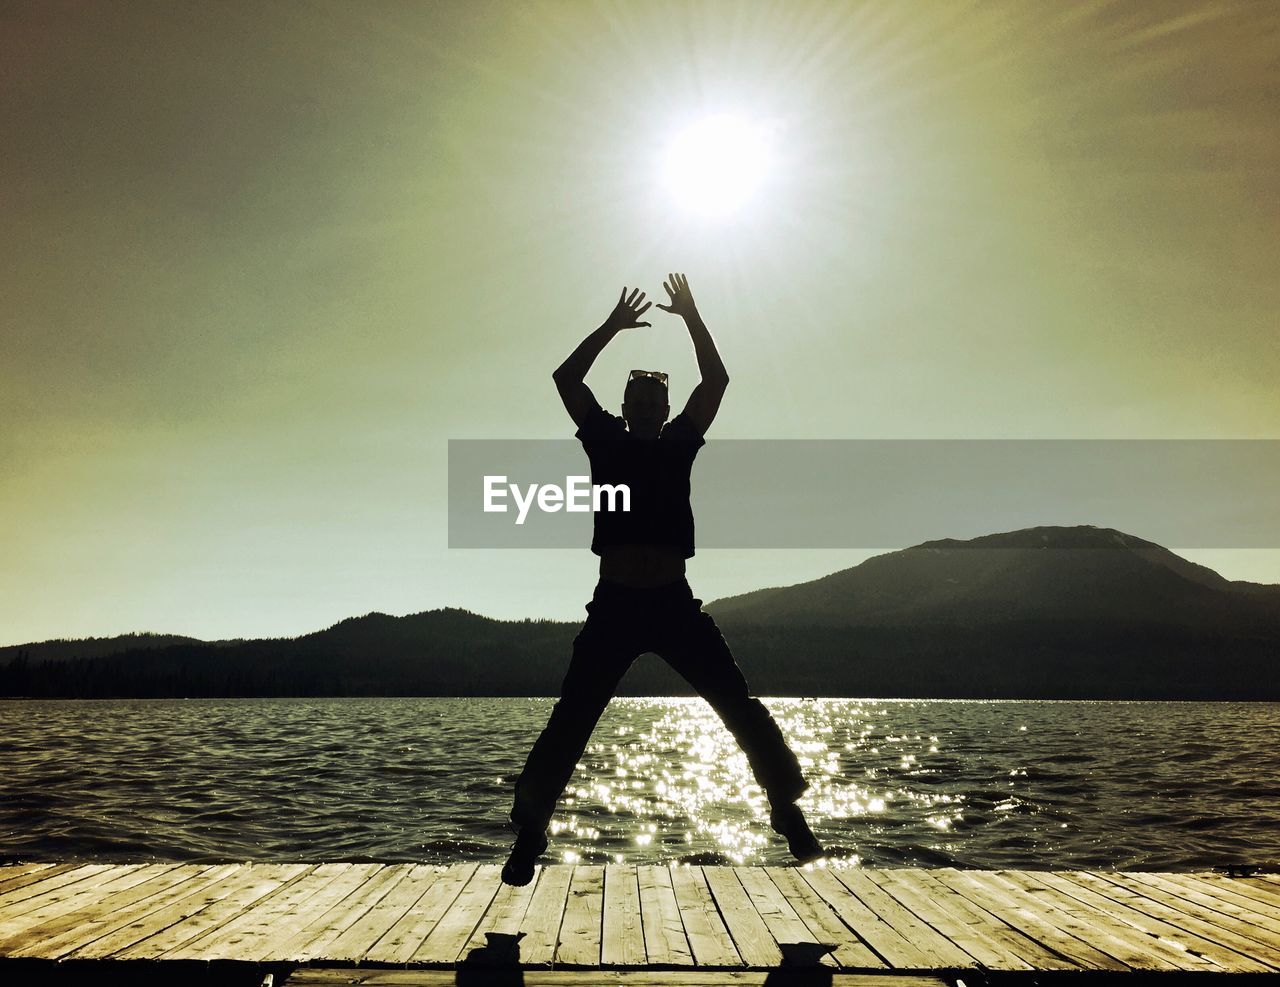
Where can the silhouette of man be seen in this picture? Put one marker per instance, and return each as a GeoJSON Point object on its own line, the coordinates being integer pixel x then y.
{"type": "Point", "coordinates": [642, 602]}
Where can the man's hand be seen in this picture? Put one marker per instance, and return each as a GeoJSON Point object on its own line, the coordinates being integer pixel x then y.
{"type": "Point", "coordinates": [704, 402]}
{"type": "Point", "coordinates": [626, 314]}
{"type": "Point", "coordinates": [677, 286]}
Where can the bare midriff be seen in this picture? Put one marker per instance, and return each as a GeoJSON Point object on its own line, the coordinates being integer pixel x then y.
{"type": "Point", "coordinates": [641, 566]}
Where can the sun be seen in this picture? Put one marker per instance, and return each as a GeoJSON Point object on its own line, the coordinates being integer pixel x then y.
{"type": "Point", "coordinates": [714, 166]}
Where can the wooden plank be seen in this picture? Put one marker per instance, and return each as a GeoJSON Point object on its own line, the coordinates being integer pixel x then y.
{"type": "Point", "coordinates": [248, 933]}
{"type": "Point", "coordinates": [61, 935]}
{"type": "Point", "coordinates": [823, 923]}
{"type": "Point", "coordinates": [14, 869]}
{"type": "Point", "coordinates": [1139, 898]}
{"type": "Point", "coordinates": [1239, 936]}
{"type": "Point", "coordinates": [1196, 948]}
{"type": "Point", "coordinates": [709, 938]}
{"type": "Point", "coordinates": [87, 894]}
{"type": "Point", "coordinates": [635, 916]}
{"type": "Point", "coordinates": [999, 900]}
{"type": "Point", "coordinates": [992, 925]}
{"type": "Point", "coordinates": [450, 935]}
{"type": "Point", "coordinates": [402, 940]}
{"type": "Point", "coordinates": [1219, 909]}
{"type": "Point", "coordinates": [751, 937]}
{"type": "Point", "coordinates": [541, 925]}
{"type": "Point", "coordinates": [1240, 905]}
{"type": "Point", "coordinates": [24, 898]}
{"type": "Point", "coordinates": [1259, 890]}
{"type": "Point", "coordinates": [784, 924]}
{"type": "Point", "coordinates": [889, 944]}
{"type": "Point", "coordinates": [1146, 900]}
{"type": "Point", "coordinates": [1069, 917]}
{"type": "Point", "coordinates": [171, 886]}
{"type": "Point", "coordinates": [360, 936]}
{"type": "Point", "coordinates": [90, 895]}
{"type": "Point", "coordinates": [1113, 937]}
{"type": "Point", "coordinates": [325, 977]}
{"type": "Point", "coordinates": [580, 929]}
{"type": "Point", "coordinates": [622, 938]}
{"type": "Point", "coordinates": [992, 943]}
{"type": "Point", "coordinates": [15, 883]}
{"type": "Point", "coordinates": [189, 919]}
{"type": "Point", "coordinates": [16, 875]}
{"type": "Point", "coordinates": [153, 914]}
{"type": "Point", "coordinates": [496, 939]}
{"type": "Point", "coordinates": [940, 952]}
{"type": "Point", "coordinates": [665, 942]}
{"type": "Point", "coordinates": [298, 915]}
{"type": "Point", "coordinates": [311, 940]}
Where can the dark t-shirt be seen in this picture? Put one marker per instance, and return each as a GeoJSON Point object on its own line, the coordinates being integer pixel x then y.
{"type": "Point", "coordinates": [657, 473]}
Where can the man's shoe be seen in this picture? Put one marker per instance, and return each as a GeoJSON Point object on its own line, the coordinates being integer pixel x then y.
{"type": "Point", "coordinates": [530, 844]}
{"type": "Point", "coordinates": [789, 821]}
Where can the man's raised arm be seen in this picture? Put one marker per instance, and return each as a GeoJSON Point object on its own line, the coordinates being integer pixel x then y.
{"type": "Point", "coordinates": [570, 376]}
{"type": "Point", "coordinates": [704, 402]}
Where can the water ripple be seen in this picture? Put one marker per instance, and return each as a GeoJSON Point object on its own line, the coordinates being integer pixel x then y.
{"type": "Point", "coordinates": [968, 784]}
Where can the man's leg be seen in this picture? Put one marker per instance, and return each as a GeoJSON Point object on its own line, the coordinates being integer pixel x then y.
{"type": "Point", "coordinates": [695, 648]}
{"type": "Point", "coordinates": [601, 656]}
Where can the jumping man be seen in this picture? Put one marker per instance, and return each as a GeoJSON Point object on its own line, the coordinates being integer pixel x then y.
{"type": "Point", "coordinates": [643, 602]}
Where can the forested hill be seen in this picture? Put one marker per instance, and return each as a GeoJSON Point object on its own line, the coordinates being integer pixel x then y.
{"type": "Point", "coordinates": [90, 647]}
{"type": "Point", "coordinates": [1041, 613]}
{"type": "Point", "coordinates": [1082, 574]}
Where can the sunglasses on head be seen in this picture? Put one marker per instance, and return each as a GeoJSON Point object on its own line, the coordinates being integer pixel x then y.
{"type": "Point", "coordinates": [637, 374]}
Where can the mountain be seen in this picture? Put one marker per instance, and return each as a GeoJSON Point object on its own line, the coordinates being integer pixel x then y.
{"type": "Point", "coordinates": [441, 652]}
{"type": "Point", "coordinates": [1049, 612]}
{"type": "Point", "coordinates": [1041, 613]}
{"type": "Point", "coordinates": [60, 649]}
{"type": "Point", "coordinates": [1065, 573]}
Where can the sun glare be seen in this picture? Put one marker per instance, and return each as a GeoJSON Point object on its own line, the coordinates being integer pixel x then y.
{"type": "Point", "coordinates": [714, 166]}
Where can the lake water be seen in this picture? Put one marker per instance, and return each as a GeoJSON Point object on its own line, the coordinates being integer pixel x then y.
{"type": "Point", "coordinates": [894, 783]}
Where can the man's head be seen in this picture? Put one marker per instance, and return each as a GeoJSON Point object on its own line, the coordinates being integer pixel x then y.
{"type": "Point", "coordinates": [644, 403]}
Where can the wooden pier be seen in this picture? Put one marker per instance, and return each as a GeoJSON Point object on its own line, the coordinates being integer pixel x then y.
{"type": "Point", "coordinates": [413, 924]}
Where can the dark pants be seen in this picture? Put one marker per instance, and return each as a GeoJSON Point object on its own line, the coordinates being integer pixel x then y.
{"type": "Point", "coordinates": [622, 624]}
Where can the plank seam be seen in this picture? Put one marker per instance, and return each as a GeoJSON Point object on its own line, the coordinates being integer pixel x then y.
{"type": "Point", "coordinates": [210, 931]}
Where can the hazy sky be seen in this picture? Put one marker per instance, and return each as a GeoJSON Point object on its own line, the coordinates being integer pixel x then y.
{"type": "Point", "coordinates": [261, 261]}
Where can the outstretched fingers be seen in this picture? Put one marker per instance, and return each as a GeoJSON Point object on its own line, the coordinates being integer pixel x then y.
{"type": "Point", "coordinates": [630, 307]}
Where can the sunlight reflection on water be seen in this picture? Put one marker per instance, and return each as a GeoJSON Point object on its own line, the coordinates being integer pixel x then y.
{"type": "Point", "coordinates": [674, 768]}
{"type": "Point", "coordinates": [924, 783]}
